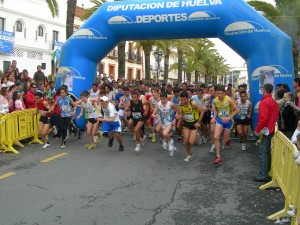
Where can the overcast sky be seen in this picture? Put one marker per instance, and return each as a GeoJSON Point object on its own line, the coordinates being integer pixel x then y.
{"type": "Point", "coordinates": [233, 59]}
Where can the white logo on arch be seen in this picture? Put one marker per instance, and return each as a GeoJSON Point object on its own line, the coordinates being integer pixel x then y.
{"type": "Point", "coordinates": [203, 15]}
{"type": "Point", "coordinates": [120, 20]}
{"type": "Point", "coordinates": [88, 33]}
{"type": "Point", "coordinates": [244, 27]}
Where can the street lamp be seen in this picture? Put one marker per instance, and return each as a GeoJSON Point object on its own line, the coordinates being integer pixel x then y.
{"type": "Point", "coordinates": [184, 70]}
{"type": "Point", "coordinates": [158, 57]}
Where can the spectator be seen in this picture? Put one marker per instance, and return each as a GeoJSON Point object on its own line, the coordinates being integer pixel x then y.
{"type": "Point", "coordinates": [11, 79]}
{"type": "Point", "coordinates": [267, 117]}
{"type": "Point", "coordinates": [30, 97]}
{"type": "Point", "coordinates": [296, 86]}
{"type": "Point", "coordinates": [19, 86]}
{"type": "Point", "coordinates": [4, 103]}
{"type": "Point", "coordinates": [4, 82]}
{"type": "Point", "coordinates": [39, 76]}
{"type": "Point", "coordinates": [26, 76]}
{"type": "Point", "coordinates": [17, 101]}
{"type": "Point", "coordinates": [295, 135]}
{"type": "Point", "coordinates": [287, 116]}
{"type": "Point", "coordinates": [14, 68]}
{"type": "Point", "coordinates": [21, 78]}
{"type": "Point", "coordinates": [8, 71]}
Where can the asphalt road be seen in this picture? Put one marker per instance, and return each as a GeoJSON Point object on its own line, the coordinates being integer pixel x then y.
{"type": "Point", "coordinates": [104, 186]}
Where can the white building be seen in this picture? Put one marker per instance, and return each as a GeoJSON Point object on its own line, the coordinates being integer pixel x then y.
{"type": "Point", "coordinates": [35, 33]}
{"type": "Point", "coordinates": [236, 76]}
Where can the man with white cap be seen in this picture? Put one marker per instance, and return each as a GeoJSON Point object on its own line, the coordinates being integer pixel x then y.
{"type": "Point", "coordinates": [110, 122]}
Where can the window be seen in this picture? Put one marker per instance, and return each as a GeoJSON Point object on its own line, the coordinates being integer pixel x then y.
{"type": "Point", "coordinates": [2, 23]}
{"type": "Point", "coordinates": [19, 26]}
{"type": "Point", "coordinates": [40, 31]}
{"type": "Point", "coordinates": [54, 38]}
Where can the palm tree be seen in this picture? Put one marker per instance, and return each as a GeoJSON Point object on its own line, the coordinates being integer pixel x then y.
{"type": "Point", "coordinates": [147, 47]}
{"type": "Point", "coordinates": [165, 46]}
{"type": "Point", "coordinates": [71, 9]}
{"type": "Point", "coordinates": [285, 15]}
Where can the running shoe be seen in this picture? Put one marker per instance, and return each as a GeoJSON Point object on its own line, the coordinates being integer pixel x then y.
{"type": "Point", "coordinates": [144, 140]}
{"type": "Point", "coordinates": [204, 140]}
{"type": "Point", "coordinates": [165, 145]}
{"type": "Point", "coordinates": [121, 148]}
{"type": "Point", "coordinates": [173, 153]}
{"type": "Point", "coordinates": [46, 145]}
{"type": "Point", "coordinates": [62, 146]}
{"type": "Point", "coordinates": [110, 142]}
{"type": "Point", "coordinates": [213, 148]}
{"type": "Point", "coordinates": [153, 138]}
{"type": "Point", "coordinates": [171, 145]}
{"type": "Point", "coordinates": [188, 158]}
{"type": "Point", "coordinates": [137, 148]}
{"type": "Point", "coordinates": [217, 160]}
{"type": "Point", "coordinates": [91, 146]}
{"type": "Point", "coordinates": [243, 147]}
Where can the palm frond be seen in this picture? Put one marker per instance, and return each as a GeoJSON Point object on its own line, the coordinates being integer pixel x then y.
{"type": "Point", "coordinates": [90, 11]}
{"type": "Point", "coordinates": [53, 6]}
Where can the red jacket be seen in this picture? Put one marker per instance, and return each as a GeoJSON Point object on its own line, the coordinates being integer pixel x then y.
{"type": "Point", "coordinates": [30, 100]}
{"type": "Point", "coordinates": [267, 114]}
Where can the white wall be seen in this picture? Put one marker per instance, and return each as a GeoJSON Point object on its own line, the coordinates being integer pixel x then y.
{"type": "Point", "coordinates": [30, 50]}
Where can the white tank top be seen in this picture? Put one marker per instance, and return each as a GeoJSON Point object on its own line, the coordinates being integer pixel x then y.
{"type": "Point", "coordinates": [243, 109]}
{"type": "Point", "coordinates": [90, 109]}
{"type": "Point", "coordinates": [166, 113]}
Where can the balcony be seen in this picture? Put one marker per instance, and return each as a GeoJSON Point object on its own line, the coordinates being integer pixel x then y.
{"type": "Point", "coordinates": [113, 54]}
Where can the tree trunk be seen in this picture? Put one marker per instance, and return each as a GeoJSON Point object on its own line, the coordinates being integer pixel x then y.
{"type": "Point", "coordinates": [71, 8]}
{"type": "Point", "coordinates": [121, 59]}
{"type": "Point", "coordinates": [197, 75]}
{"type": "Point", "coordinates": [166, 65]}
{"type": "Point", "coordinates": [206, 78]}
{"type": "Point", "coordinates": [147, 51]}
{"type": "Point", "coordinates": [180, 54]}
{"type": "Point", "coordinates": [296, 60]}
{"type": "Point", "coordinates": [188, 76]}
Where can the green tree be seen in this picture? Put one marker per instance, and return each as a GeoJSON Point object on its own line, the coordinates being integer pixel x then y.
{"type": "Point", "coordinates": [165, 46]}
{"type": "Point", "coordinates": [286, 16]}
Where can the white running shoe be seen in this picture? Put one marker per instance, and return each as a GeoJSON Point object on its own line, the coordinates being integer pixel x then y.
{"type": "Point", "coordinates": [243, 147]}
{"type": "Point", "coordinates": [173, 153]}
{"type": "Point", "coordinates": [137, 148]}
{"type": "Point", "coordinates": [149, 136]}
{"type": "Point", "coordinates": [54, 130]}
{"type": "Point", "coordinates": [165, 145]}
{"type": "Point", "coordinates": [188, 158]}
{"type": "Point", "coordinates": [204, 140]}
{"type": "Point", "coordinates": [199, 138]}
{"type": "Point", "coordinates": [144, 140]}
{"type": "Point", "coordinates": [213, 148]}
{"type": "Point", "coordinates": [171, 145]}
{"type": "Point", "coordinates": [46, 145]}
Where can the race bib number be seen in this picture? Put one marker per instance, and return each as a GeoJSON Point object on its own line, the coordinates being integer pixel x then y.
{"type": "Point", "coordinates": [66, 108]}
{"type": "Point", "coordinates": [136, 115]}
{"type": "Point", "coordinates": [188, 117]}
{"type": "Point", "coordinates": [90, 109]}
{"type": "Point", "coordinates": [223, 113]}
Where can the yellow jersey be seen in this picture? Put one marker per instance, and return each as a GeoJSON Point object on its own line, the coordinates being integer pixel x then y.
{"type": "Point", "coordinates": [190, 114]}
{"type": "Point", "coordinates": [224, 108]}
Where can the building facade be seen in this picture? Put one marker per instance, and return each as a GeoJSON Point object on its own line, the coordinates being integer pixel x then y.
{"type": "Point", "coordinates": [35, 32]}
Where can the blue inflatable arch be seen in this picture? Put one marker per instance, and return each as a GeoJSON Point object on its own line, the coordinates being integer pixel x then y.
{"type": "Point", "coordinates": [266, 49]}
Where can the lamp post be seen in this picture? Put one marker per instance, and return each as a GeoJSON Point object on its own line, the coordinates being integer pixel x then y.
{"type": "Point", "coordinates": [158, 57]}
{"type": "Point", "coordinates": [184, 70]}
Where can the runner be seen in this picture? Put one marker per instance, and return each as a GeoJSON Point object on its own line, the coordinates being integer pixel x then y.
{"type": "Point", "coordinates": [243, 118]}
{"type": "Point", "coordinates": [210, 98]}
{"type": "Point", "coordinates": [137, 116]}
{"type": "Point", "coordinates": [43, 107]}
{"type": "Point", "coordinates": [66, 113]}
{"type": "Point", "coordinates": [154, 100]}
{"type": "Point", "coordinates": [189, 112]}
{"type": "Point", "coordinates": [88, 104]}
{"type": "Point", "coordinates": [166, 110]}
{"type": "Point", "coordinates": [224, 111]}
{"type": "Point", "coordinates": [123, 101]}
{"type": "Point", "coordinates": [111, 124]}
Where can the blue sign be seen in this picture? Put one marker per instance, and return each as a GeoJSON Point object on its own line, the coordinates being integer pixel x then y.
{"type": "Point", "coordinates": [266, 49]}
{"type": "Point", "coordinates": [6, 41]}
{"type": "Point", "coordinates": [57, 50]}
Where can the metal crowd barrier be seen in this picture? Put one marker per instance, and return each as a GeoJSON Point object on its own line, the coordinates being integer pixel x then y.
{"type": "Point", "coordinates": [286, 176]}
{"type": "Point", "coordinates": [17, 126]}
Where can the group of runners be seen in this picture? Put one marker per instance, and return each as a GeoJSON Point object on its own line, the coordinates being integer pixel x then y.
{"type": "Point", "coordinates": [193, 112]}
